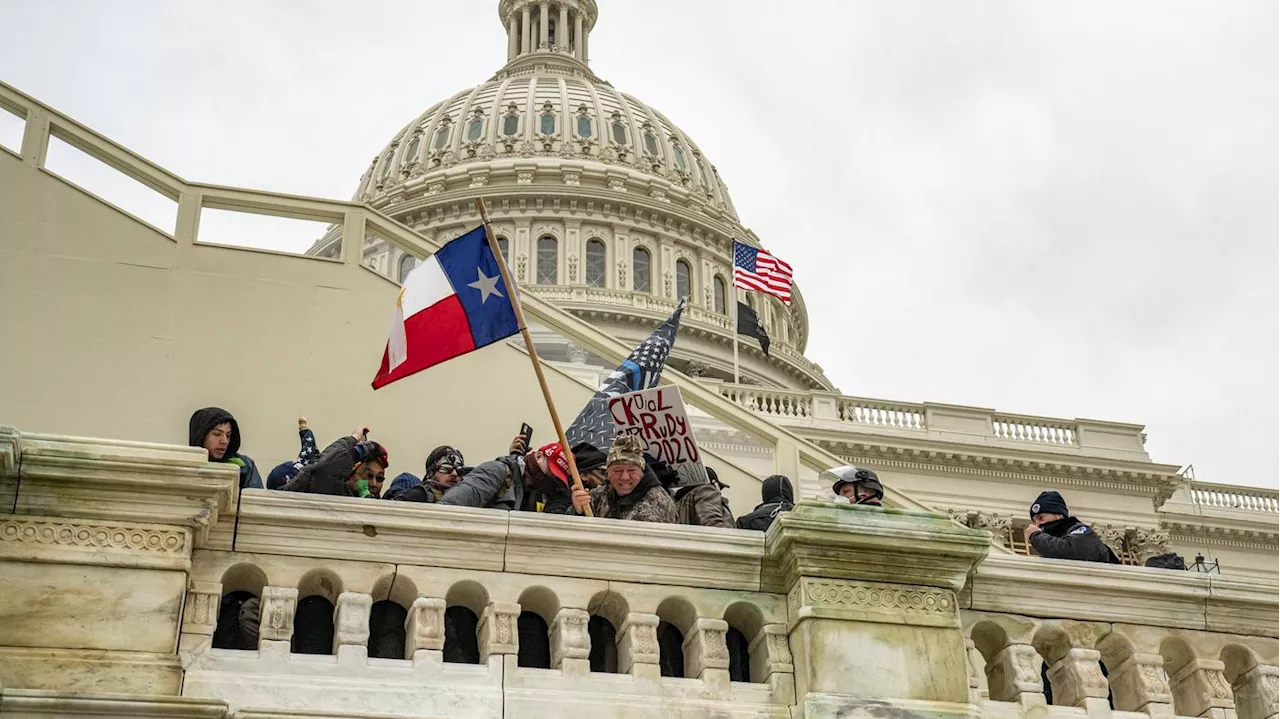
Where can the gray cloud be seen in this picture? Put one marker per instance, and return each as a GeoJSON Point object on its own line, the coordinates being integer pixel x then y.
{"type": "Point", "coordinates": [1065, 209]}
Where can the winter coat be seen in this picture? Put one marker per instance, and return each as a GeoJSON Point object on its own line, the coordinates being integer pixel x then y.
{"type": "Point", "coordinates": [1069, 538]}
{"type": "Point", "coordinates": [497, 484]}
{"type": "Point", "coordinates": [202, 423]}
{"type": "Point", "coordinates": [656, 506]}
{"type": "Point", "coordinates": [329, 473]}
{"type": "Point", "coordinates": [777, 498]}
{"type": "Point", "coordinates": [702, 505]}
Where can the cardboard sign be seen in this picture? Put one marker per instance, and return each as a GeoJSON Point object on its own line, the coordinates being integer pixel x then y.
{"type": "Point", "coordinates": [657, 416]}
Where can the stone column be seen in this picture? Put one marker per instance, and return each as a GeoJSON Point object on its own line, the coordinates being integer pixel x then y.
{"type": "Point", "coordinates": [874, 589]}
{"type": "Point", "coordinates": [706, 653]}
{"type": "Point", "coordinates": [351, 626]}
{"type": "Point", "coordinates": [424, 627]}
{"type": "Point", "coordinates": [1140, 684]}
{"type": "Point", "coordinates": [276, 620]}
{"type": "Point", "coordinates": [1256, 692]}
{"type": "Point", "coordinates": [513, 41]}
{"type": "Point", "coordinates": [1013, 675]}
{"type": "Point", "coordinates": [570, 643]}
{"type": "Point", "coordinates": [201, 613]}
{"type": "Point", "coordinates": [1077, 677]}
{"type": "Point", "coordinates": [978, 689]}
{"type": "Point", "coordinates": [771, 661]}
{"type": "Point", "coordinates": [1200, 690]}
{"type": "Point", "coordinates": [544, 13]}
{"type": "Point", "coordinates": [562, 29]}
{"type": "Point", "coordinates": [579, 46]}
{"type": "Point", "coordinates": [525, 38]}
{"type": "Point", "coordinates": [638, 646]}
{"type": "Point", "coordinates": [497, 630]}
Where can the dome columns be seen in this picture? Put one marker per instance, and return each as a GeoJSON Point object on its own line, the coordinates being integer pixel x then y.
{"type": "Point", "coordinates": [560, 27]}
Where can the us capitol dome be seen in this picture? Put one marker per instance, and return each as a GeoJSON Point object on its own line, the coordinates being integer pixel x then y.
{"type": "Point", "coordinates": [601, 204]}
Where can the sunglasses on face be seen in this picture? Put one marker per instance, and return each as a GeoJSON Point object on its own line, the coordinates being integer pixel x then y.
{"type": "Point", "coordinates": [447, 468]}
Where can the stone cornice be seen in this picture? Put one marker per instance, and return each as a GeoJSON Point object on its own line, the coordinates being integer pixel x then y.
{"type": "Point", "coordinates": [117, 481]}
{"type": "Point", "coordinates": [92, 542]}
{"type": "Point", "coordinates": [35, 702]}
{"type": "Point", "coordinates": [1025, 466]}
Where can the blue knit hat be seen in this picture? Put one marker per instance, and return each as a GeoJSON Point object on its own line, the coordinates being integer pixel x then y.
{"type": "Point", "coordinates": [1049, 503]}
{"type": "Point", "coordinates": [281, 474]}
{"type": "Point", "coordinates": [403, 481]}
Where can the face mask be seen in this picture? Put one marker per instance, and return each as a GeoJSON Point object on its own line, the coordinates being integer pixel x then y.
{"type": "Point", "coordinates": [362, 488]}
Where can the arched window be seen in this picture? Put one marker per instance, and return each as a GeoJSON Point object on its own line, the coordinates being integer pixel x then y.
{"type": "Point", "coordinates": [584, 126]}
{"type": "Point", "coordinates": [475, 129]}
{"type": "Point", "coordinates": [684, 280]}
{"type": "Point", "coordinates": [535, 649]}
{"type": "Point", "coordinates": [548, 261]}
{"type": "Point", "coordinates": [604, 645]}
{"type": "Point", "coordinates": [595, 263]}
{"type": "Point", "coordinates": [510, 124]}
{"type": "Point", "coordinates": [313, 626]}
{"type": "Point", "coordinates": [386, 630]}
{"type": "Point", "coordinates": [640, 270]}
{"type": "Point", "coordinates": [720, 294]}
{"type": "Point", "coordinates": [620, 134]}
{"type": "Point", "coordinates": [461, 645]}
{"type": "Point", "coordinates": [442, 135]}
{"type": "Point", "coordinates": [678, 154]}
{"type": "Point", "coordinates": [415, 143]}
{"type": "Point", "coordinates": [702, 171]}
{"type": "Point", "coordinates": [237, 615]}
{"type": "Point", "coordinates": [670, 650]}
{"type": "Point", "coordinates": [503, 244]}
{"type": "Point", "coordinates": [386, 165]}
{"type": "Point", "coordinates": [407, 263]}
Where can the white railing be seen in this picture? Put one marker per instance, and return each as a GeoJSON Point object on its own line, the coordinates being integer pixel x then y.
{"type": "Point", "coordinates": [771, 403]}
{"type": "Point", "coordinates": [1033, 429]}
{"type": "Point", "coordinates": [1225, 496]}
{"type": "Point", "coordinates": [880, 414]}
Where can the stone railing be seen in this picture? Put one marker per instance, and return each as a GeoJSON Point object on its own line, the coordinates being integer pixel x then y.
{"type": "Point", "coordinates": [299, 605]}
{"type": "Point", "coordinates": [1226, 496]}
{"type": "Point", "coordinates": [826, 410]}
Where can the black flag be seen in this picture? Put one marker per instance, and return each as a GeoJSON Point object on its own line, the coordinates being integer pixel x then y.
{"type": "Point", "coordinates": [749, 325]}
{"type": "Point", "coordinates": [642, 370]}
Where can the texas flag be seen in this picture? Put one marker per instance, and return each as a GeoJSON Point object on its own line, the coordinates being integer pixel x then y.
{"type": "Point", "coordinates": [452, 303]}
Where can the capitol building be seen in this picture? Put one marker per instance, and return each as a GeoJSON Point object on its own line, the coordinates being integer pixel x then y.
{"type": "Point", "coordinates": [121, 547]}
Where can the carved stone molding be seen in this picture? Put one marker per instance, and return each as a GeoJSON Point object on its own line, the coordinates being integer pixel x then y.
{"type": "Point", "coordinates": [424, 628]}
{"type": "Point", "coordinates": [638, 643]}
{"type": "Point", "coordinates": [770, 652]}
{"type": "Point", "coordinates": [200, 615]}
{"type": "Point", "coordinates": [1014, 672]}
{"type": "Point", "coordinates": [569, 638]}
{"type": "Point", "coordinates": [278, 606]}
{"type": "Point", "coordinates": [1256, 692]}
{"type": "Point", "coordinates": [1200, 687]}
{"type": "Point", "coordinates": [351, 626]}
{"type": "Point", "coordinates": [1139, 682]}
{"type": "Point", "coordinates": [705, 646]}
{"type": "Point", "coordinates": [873, 601]}
{"type": "Point", "coordinates": [94, 542]}
{"type": "Point", "coordinates": [497, 630]}
{"type": "Point", "coordinates": [1077, 677]}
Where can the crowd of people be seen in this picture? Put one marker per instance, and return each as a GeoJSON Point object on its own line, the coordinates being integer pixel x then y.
{"type": "Point", "coordinates": [619, 482]}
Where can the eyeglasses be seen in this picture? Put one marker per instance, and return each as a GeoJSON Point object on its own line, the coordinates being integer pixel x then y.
{"type": "Point", "coordinates": [446, 468]}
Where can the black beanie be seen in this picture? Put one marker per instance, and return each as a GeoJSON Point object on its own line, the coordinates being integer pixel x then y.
{"type": "Point", "coordinates": [1049, 503]}
{"type": "Point", "coordinates": [439, 455]}
{"type": "Point", "coordinates": [587, 457]}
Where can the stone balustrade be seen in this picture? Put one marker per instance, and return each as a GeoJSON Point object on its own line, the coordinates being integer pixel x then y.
{"type": "Point", "coordinates": [826, 410]}
{"type": "Point", "coordinates": [1223, 496]}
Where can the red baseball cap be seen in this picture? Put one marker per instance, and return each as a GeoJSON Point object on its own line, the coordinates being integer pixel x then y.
{"type": "Point", "coordinates": [556, 462]}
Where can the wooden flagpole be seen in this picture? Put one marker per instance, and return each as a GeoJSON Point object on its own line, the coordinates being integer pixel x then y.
{"type": "Point", "coordinates": [528, 343]}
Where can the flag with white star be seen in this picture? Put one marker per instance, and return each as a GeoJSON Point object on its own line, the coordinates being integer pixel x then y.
{"type": "Point", "coordinates": [641, 370]}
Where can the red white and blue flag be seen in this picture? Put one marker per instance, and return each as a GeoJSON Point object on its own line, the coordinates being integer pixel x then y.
{"type": "Point", "coordinates": [453, 303]}
{"type": "Point", "coordinates": [757, 270]}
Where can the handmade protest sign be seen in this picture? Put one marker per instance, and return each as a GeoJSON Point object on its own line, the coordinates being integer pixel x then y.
{"type": "Point", "coordinates": [657, 416]}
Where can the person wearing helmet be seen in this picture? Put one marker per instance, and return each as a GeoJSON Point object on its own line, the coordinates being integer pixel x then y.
{"type": "Point", "coordinates": [856, 485]}
{"type": "Point", "coordinates": [352, 466]}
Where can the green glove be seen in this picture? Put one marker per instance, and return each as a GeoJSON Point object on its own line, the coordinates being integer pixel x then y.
{"type": "Point", "coordinates": [362, 487]}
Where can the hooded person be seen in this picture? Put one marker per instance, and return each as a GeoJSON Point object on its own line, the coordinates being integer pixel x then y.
{"type": "Point", "coordinates": [698, 501]}
{"type": "Point", "coordinates": [632, 490]}
{"type": "Point", "coordinates": [776, 497]}
{"type": "Point", "coordinates": [218, 433]}
{"type": "Point", "coordinates": [1055, 534]}
{"type": "Point", "coordinates": [855, 485]}
{"type": "Point", "coordinates": [351, 466]}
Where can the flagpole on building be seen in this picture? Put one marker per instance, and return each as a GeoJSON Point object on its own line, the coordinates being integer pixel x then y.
{"type": "Point", "coordinates": [528, 343]}
{"type": "Point", "coordinates": [734, 328]}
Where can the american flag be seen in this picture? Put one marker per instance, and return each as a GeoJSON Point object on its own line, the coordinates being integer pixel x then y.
{"type": "Point", "coordinates": [760, 271]}
{"type": "Point", "coordinates": [641, 370]}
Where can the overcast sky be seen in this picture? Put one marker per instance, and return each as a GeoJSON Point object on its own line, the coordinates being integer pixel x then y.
{"type": "Point", "coordinates": [1054, 208]}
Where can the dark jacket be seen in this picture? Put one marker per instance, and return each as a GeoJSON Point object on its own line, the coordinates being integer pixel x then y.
{"type": "Point", "coordinates": [202, 423]}
{"type": "Point", "coordinates": [498, 484]}
{"type": "Point", "coordinates": [777, 497]}
{"type": "Point", "coordinates": [698, 502]}
{"type": "Point", "coordinates": [329, 473]}
{"type": "Point", "coordinates": [1069, 538]}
